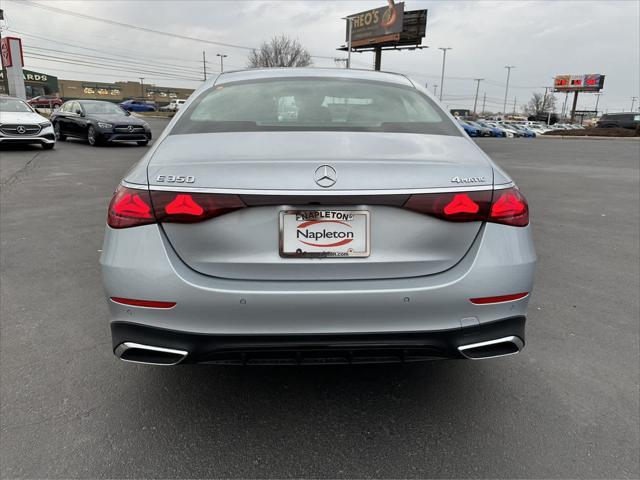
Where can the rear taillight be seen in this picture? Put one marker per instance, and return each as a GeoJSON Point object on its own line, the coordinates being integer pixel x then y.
{"type": "Point", "coordinates": [192, 207]}
{"type": "Point", "coordinates": [507, 206]}
{"type": "Point", "coordinates": [131, 207]}
{"type": "Point", "coordinates": [454, 207]}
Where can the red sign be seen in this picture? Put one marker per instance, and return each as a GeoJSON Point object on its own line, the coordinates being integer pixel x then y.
{"type": "Point", "coordinates": [5, 48]}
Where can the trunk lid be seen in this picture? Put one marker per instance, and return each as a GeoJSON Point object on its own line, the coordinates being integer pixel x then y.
{"type": "Point", "coordinates": [274, 171]}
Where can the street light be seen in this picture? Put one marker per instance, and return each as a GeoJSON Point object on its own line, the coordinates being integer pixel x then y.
{"type": "Point", "coordinates": [222, 57]}
{"type": "Point", "coordinates": [506, 90]}
{"type": "Point", "coordinates": [444, 59]}
{"type": "Point", "coordinates": [142, 86]}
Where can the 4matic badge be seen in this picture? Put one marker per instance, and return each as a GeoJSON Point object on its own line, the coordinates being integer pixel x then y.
{"type": "Point", "coordinates": [457, 179]}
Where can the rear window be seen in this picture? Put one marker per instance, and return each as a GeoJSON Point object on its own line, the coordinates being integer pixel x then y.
{"type": "Point", "coordinates": [314, 104]}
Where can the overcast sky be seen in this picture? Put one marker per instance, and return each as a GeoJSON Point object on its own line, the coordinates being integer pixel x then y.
{"type": "Point", "coordinates": [541, 38]}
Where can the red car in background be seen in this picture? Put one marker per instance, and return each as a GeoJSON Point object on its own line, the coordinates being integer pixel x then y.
{"type": "Point", "coordinates": [45, 101]}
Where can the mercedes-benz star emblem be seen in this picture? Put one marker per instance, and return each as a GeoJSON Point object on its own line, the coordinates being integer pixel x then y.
{"type": "Point", "coordinates": [20, 129]}
{"type": "Point", "coordinates": [325, 176]}
{"type": "Point", "coordinates": [130, 128]}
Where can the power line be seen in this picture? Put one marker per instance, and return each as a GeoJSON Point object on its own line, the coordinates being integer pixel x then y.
{"type": "Point", "coordinates": [104, 66]}
{"type": "Point", "coordinates": [135, 63]}
{"type": "Point", "coordinates": [62, 11]}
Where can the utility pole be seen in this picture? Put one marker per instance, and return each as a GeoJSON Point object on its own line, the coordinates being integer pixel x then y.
{"type": "Point", "coordinates": [444, 59]}
{"type": "Point", "coordinates": [506, 90]}
{"type": "Point", "coordinates": [142, 86]}
{"type": "Point", "coordinates": [544, 100]}
{"type": "Point", "coordinates": [204, 65]}
{"type": "Point", "coordinates": [222, 57]}
{"type": "Point", "coordinates": [484, 101]}
{"type": "Point", "coordinates": [435, 90]}
{"type": "Point", "coordinates": [633, 101]}
{"type": "Point", "coordinates": [475, 102]}
{"type": "Point", "coordinates": [597, 101]}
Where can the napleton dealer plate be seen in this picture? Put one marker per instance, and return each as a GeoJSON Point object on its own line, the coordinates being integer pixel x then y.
{"type": "Point", "coordinates": [324, 233]}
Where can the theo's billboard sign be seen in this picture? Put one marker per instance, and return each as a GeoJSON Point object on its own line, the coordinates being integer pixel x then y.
{"type": "Point", "coordinates": [377, 25]}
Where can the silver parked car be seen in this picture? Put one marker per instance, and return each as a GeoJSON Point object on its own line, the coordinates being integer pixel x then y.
{"type": "Point", "coordinates": [305, 216]}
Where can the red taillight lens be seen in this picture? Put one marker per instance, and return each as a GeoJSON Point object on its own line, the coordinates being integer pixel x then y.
{"type": "Point", "coordinates": [192, 207]}
{"type": "Point", "coordinates": [455, 207]}
{"type": "Point", "coordinates": [129, 208]}
{"type": "Point", "coordinates": [510, 208]}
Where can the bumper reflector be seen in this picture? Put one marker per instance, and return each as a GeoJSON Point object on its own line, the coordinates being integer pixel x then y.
{"type": "Point", "coordinates": [143, 303]}
{"type": "Point", "coordinates": [498, 299]}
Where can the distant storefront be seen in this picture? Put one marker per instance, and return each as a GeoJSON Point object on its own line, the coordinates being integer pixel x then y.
{"type": "Point", "coordinates": [119, 91]}
{"type": "Point", "coordinates": [36, 83]}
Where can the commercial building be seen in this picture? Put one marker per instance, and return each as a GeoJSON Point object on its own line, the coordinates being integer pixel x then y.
{"type": "Point", "coordinates": [38, 83]}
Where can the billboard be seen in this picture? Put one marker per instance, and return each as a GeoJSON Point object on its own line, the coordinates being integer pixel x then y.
{"type": "Point", "coordinates": [591, 82]}
{"type": "Point", "coordinates": [379, 25]}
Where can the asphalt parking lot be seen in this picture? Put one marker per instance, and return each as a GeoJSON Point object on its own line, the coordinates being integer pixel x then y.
{"type": "Point", "coordinates": [568, 406]}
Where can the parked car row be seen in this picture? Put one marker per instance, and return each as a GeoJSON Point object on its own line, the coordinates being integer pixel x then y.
{"type": "Point", "coordinates": [510, 129]}
{"type": "Point", "coordinates": [96, 121]}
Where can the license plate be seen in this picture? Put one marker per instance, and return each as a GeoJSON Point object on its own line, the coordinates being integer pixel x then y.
{"type": "Point", "coordinates": [324, 233]}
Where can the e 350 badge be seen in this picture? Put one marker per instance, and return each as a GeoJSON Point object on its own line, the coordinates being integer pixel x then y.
{"type": "Point", "coordinates": [176, 178]}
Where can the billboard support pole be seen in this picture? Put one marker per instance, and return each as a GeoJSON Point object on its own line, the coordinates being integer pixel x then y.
{"type": "Point", "coordinates": [575, 104]}
{"type": "Point", "coordinates": [350, 20]}
{"type": "Point", "coordinates": [378, 59]}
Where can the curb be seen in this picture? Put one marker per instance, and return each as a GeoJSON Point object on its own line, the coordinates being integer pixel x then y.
{"type": "Point", "coordinates": [587, 137]}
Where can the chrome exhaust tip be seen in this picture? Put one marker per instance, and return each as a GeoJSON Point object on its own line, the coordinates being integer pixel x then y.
{"type": "Point", "coordinates": [149, 355]}
{"type": "Point", "coordinates": [500, 347]}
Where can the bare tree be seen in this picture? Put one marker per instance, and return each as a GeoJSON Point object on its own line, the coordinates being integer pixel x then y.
{"type": "Point", "coordinates": [539, 105]}
{"type": "Point", "coordinates": [280, 51]}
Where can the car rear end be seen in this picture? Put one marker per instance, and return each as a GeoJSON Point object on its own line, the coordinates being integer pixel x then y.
{"type": "Point", "coordinates": [249, 237]}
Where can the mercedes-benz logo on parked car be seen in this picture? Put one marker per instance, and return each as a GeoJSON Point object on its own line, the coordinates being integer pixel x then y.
{"type": "Point", "coordinates": [325, 176]}
{"type": "Point", "coordinates": [20, 129]}
{"type": "Point", "coordinates": [130, 128]}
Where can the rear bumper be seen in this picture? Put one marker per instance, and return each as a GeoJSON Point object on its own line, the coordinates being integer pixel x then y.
{"type": "Point", "coordinates": [390, 347]}
{"type": "Point", "coordinates": [139, 263]}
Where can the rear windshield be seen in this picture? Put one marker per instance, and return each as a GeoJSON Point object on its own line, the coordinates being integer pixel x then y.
{"type": "Point", "coordinates": [317, 104]}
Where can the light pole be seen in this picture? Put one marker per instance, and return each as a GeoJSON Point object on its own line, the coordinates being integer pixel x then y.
{"type": "Point", "coordinates": [444, 59]}
{"type": "Point", "coordinates": [633, 102]}
{"type": "Point", "coordinates": [475, 102]}
{"type": "Point", "coordinates": [435, 90]}
{"type": "Point", "coordinates": [222, 57]}
{"type": "Point", "coordinates": [142, 86]}
{"type": "Point", "coordinates": [597, 101]}
{"type": "Point", "coordinates": [506, 90]}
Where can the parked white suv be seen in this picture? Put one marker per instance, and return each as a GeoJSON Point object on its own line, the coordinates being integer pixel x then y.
{"type": "Point", "coordinates": [20, 124]}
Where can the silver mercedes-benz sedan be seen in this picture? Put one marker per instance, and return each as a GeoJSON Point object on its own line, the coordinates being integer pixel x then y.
{"type": "Point", "coordinates": [316, 216]}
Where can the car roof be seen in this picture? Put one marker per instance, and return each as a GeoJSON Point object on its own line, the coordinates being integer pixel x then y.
{"type": "Point", "coordinates": [266, 73]}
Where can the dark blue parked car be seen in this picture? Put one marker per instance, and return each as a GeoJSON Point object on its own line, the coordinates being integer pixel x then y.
{"type": "Point", "coordinates": [137, 106]}
{"type": "Point", "coordinates": [471, 130]}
